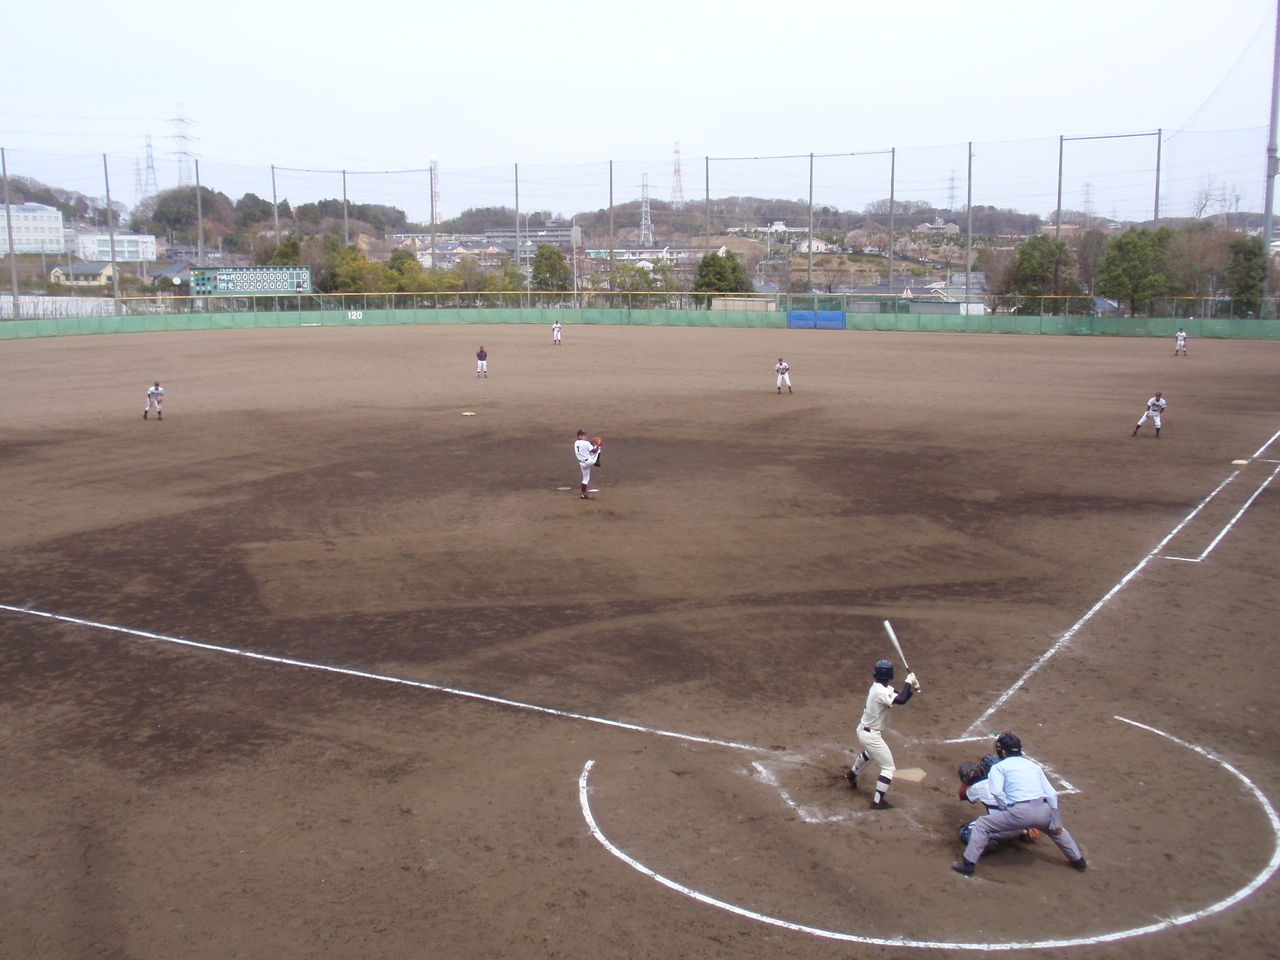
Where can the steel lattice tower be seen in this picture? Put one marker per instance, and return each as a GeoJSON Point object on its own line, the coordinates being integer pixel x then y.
{"type": "Point", "coordinates": [646, 222]}
{"type": "Point", "coordinates": [677, 189]}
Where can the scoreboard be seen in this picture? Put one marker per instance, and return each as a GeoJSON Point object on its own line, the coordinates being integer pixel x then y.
{"type": "Point", "coordinates": [244, 281]}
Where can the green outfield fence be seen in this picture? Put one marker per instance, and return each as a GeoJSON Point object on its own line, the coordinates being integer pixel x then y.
{"type": "Point", "coordinates": [138, 315]}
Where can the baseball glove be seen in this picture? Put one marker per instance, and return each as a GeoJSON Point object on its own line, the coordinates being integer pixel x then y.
{"type": "Point", "coordinates": [597, 440]}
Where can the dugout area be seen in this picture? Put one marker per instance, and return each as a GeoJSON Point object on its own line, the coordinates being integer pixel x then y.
{"type": "Point", "coordinates": [412, 642]}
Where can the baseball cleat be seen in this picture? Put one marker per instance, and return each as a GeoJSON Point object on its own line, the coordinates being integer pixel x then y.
{"type": "Point", "coordinates": [963, 866]}
{"type": "Point", "coordinates": [881, 805]}
{"type": "Point", "coordinates": [1080, 864]}
{"type": "Point", "coordinates": [144, 414]}
{"type": "Point", "coordinates": [852, 778]}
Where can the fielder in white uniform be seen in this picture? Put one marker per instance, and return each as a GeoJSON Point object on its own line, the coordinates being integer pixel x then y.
{"type": "Point", "coordinates": [155, 397]}
{"type": "Point", "coordinates": [783, 368]}
{"type": "Point", "coordinates": [875, 719]}
{"type": "Point", "coordinates": [1155, 407]}
{"type": "Point", "coordinates": [1180, 342]}
{"type": "Point", "coordinates": [586, 452]}
{"type": "Point", "coordinates": [482, 362]}
{"type": "Point", "coordinates": [555, 332]}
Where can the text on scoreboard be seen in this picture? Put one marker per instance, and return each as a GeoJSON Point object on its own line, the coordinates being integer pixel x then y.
{"type": "Point", "coordinates": [212, 281]}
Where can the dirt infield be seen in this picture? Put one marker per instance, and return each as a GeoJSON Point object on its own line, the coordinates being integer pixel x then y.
{"type": "Point", "coordinates": [438, 706]}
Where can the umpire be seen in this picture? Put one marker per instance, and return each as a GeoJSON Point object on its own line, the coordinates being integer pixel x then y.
{"type": "Point", "coordinates": [1026, 799]}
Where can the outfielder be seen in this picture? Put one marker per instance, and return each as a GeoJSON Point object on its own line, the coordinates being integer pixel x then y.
{"type": "Point", "coordinates": [1180, 342]}
{"type": "Point", "coordinates": [1026, 800]}
{"type": "Point", "coordinates": [1155, 407]}
{"type": "Point", "coordinates": [587, 452]}
{"type": "Point", "coordinates": [782, 368]}
{"type": "Point", "coordinates": [555, 333]}
{"type": "Point", "coordinates": [482, 362]}
{"type": "Point", "coordinates": [155, 397]}
{"type": "Point", "coordinates": [880, 698]}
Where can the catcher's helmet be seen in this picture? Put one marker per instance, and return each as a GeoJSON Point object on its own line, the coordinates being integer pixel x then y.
{"type": "Point", "coordinates": [971, 773]}
{"type": "Point", "coordinates": [1009, 745]}
{"type": "Point", "coordinates": [883, 670]}
{"type": "Point", "coordinates": [965, 831]}
{"type": "Point", "coordinates": [987, 762]}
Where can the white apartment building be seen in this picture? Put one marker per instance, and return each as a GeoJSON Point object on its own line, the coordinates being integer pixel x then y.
{"type": "Point", "coordinates": [130, 247]}
{"type": "Point", "coordinates": [36, 229]}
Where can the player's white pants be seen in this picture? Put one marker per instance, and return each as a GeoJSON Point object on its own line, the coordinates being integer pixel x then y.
{"type": "Point", "coordinates": [873, 743]}
{"type": "Point", "coordinates": [482, 366]}
{"type": "Point", "coordinates": [585, 467]}
{"type": "Point", "coordinates": [784, 379]}
{"type": "Point", "coordinates": [556, 336]}
{"type": "Point", "coordinates": [1155, 418]}
{"type": "Point", "coordinates": [152, 404]}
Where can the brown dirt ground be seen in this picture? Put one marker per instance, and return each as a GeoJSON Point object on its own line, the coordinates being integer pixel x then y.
{"type": "Point", "coordinates": [314, 494]}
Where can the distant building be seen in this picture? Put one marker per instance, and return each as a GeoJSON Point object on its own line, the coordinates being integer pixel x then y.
{"type": "Point", "coordinates": [130, 247]}
{"type": "Point", "coordinates": [563, 235]}
{"type": "Point", "coordinates": [83, 274]}
{"type": "Point", "coordinates": [36, 229]}
{"type": "Point", "coordinates": [949, 229]}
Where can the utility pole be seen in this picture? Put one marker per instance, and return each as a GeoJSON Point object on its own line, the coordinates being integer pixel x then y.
{"type": "Point", "coordinates": [111, 235]}
{"type": "Point", "coordinates": [1272, 163]}
{"type": "Point", "coordinates": [8, 226]}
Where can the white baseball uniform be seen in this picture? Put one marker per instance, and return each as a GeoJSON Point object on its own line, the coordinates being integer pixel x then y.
{"type": "Point", "coordinates": [784, 377]}
{"type": "Point", "coordinates": [875, 717]}
{"type": "Point", "coordinates": [555, 332]}
{"type": "Point", "coordinates": [482, 362]}
{"type": "Point", "coordinates": [586, 452]}
{"type": "Point", "coordinates": [1180, 342]}
{"type": "Point", "coordinates": [1155, 407]}
{"type": "Point", "coordinates": [155, 396]}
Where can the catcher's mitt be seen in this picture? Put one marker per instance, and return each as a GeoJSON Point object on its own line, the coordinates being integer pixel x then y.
{"type": "Point", "coordinates": [597, 440]}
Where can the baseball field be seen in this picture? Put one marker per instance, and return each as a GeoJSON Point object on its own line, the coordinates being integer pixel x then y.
{"type": "Point", "coordinates": [318, 667]}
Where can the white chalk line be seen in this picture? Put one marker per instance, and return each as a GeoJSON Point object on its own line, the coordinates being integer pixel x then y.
{"type": "Point", "coordinates": [1231, 523]}
{"type": "Point", "coordinates": [382, 677]}
{"type": "Point", "coordinates": [1075, 627]}
{"type": "Point", "coordinates": [1164, 924]}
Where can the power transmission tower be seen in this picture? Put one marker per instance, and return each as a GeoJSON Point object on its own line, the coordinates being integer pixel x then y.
{"type": "Point", "coordinates": [646, 223]}
{"type": "Point", "coordinates": [435, 190]}
{"type": "Point", "coordinates": [149, 185]}
{"type": "Point", "coordinates": [951, 191]}
{"type": "Point", "coordinates": [677, 188]}
{"type": "Point", "coordinates": [182, 143]}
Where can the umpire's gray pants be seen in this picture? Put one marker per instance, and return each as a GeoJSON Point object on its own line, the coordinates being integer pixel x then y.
{"type": "Point", "coordinates": [1017, 817]}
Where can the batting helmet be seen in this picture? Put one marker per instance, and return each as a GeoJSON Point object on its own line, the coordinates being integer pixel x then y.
{"type": "Point", "coordinates": [987, 762]}
{"type": "Point", "coordinates": [883, 670]}
{"type": "Point", "coordinates": [1009, 745]}
{"type": "Point", "coordinates": [965, 831]}
{"type": "Point", "coordinates": [971, 773]}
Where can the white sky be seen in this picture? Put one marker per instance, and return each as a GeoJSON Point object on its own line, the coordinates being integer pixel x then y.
{"type": "Point", "coordinates": [561, 87]}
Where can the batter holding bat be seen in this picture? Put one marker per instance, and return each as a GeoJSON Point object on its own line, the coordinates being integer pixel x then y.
{"type": "Point", "coordinates": [871, 727]}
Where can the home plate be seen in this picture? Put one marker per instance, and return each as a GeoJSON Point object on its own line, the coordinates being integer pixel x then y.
{"type": "Point", "coordinates": [1238, 463]}
{"type": "Point", "coordinates": [910, 774]}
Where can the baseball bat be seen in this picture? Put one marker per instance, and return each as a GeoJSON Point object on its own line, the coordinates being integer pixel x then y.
{"type": "Point", "coordinates": [893, 638]}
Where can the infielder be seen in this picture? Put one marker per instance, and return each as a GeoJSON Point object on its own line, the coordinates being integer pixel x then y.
{"type": "Point", "coordinates": [1026, 800]}
{"type": "Point", "coordinates": [587, 453]}
{"type": "Point", "coordinates": [782, 368]}
{"type": "Point", "coordinates": [880, 698]}
{"type": "Point", "coordinates": [482, 362]}
{"type": "Point", "coordinates": [155, 397]}
{"type": "Point", "coordinates": [555, 333]}
{"type": "Point", "coordinates": [1155, 407]}
{"type": "Point", "coordinates": [1180, 342]}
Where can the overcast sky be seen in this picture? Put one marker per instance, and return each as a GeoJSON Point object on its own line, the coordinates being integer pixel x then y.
{"type": "Point", "coordinates": [562, 87]}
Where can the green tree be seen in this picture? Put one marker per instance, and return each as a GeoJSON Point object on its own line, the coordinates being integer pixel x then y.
{"type": "Point", "coordinates": [721, 274]}
{"type": "Point", "coordinates": [251, 209]}
{"type": "Point", "coordinates": [1131, 268]}
{"type": "Point", "coordinates": [288, 252]}
{"type": "Point", "coordinates": [1246, 270]}
{"type": "Point", "coordinates": [551, 271]}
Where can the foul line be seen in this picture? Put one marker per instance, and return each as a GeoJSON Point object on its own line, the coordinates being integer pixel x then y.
{"type": "Point", "coordinates": [1161, 925]}
{"type": "Point", "coordinates": [1232, 522]}
{"type": "Point", "coordinates": [385, 678]}
{"type": "Point", "coordinates": [1075, 627]}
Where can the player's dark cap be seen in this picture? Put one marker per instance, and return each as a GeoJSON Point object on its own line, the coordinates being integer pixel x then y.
{"type": "Point", "coordinates": [582, 433]}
